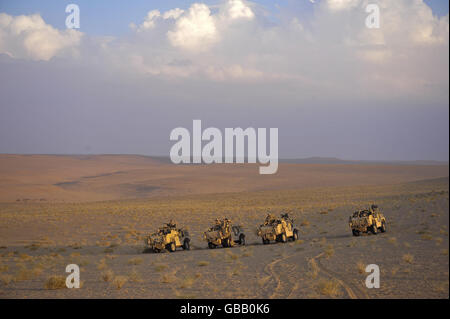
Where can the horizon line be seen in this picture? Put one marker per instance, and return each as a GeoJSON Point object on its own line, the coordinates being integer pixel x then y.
{"type": "Point", "coordinates": [280, 160]}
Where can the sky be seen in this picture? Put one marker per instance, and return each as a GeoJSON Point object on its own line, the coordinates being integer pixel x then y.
{"type": "Point", "coordinates": [133, 72]}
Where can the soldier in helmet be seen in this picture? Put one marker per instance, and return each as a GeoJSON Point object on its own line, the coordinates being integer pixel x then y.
{"type": "Point", "coordinates": [224, 223]}
{"type": "Point", "coordinates": [269, 219]}
{"type": "Point", "coordinates": [172, 224]}
{"type": "Point", "coordinates": [227, 225]}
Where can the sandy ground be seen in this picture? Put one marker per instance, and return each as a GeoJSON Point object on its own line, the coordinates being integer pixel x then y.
{"type": "Point", "coordinates": [50, 178]}
{"type": "Point", "coordinates": [38, 239]}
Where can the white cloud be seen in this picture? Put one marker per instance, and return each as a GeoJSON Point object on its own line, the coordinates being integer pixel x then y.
{"type": "Point", "coordinates": [235, 41]}
{"type": "Point", "coordinates": [333, 50]}
{"type": "Point", "coordinates": [199, 28]}
{"type": "Point", "coordinates": [173, 14]}
{"type": "Point", "coordinates": [237, 9]}
{"type": "Point", "coordinates": [195, 30]}
{"type": "Point", "coordinates": [342, 4]}
{"type": "Point", "coordinates": [30, 37]}
{"type": "Point", "coordinates": [149, 22]}
{"type": "Point", "coordinates": [152, 17]}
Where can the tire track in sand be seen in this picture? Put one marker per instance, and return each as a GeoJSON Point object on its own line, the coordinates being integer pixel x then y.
{"type": "Point", "coordinates": [269, 269]}
{"type": "Point", "coordinates": [275, 283]}
{"type": "Point", "coordinates": [349, 287]}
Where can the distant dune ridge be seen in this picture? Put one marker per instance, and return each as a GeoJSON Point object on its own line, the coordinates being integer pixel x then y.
{"type": "Point", "coordinates": [334, 160]}
{"type": "Point", "coordinates": [78, 178]}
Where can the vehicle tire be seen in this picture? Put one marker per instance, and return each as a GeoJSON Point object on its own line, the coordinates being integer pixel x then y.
{"type": "Point", "coordinates": [227, 242]}
{"type": "Point", "coordinates": [186, 244]}
{"type": "Point", "coordinates": [265, 241]}
{"type": "Point", "coordinates": [171, 247]}
{"type": "Point", "coordinates": [242, 240]}
{"type": "Point", "coordinates": [383, 227]}
{"type": "Point", "coordinates": [211, 246]}
{"type": "Point", "coordinates": [355, 232]}
{"type": "Point", "coordinates": [283, 238]}
{"type": "Point", "coordinates": [374, 229]}
{"type": "Point", "coordinates": [295, 236]}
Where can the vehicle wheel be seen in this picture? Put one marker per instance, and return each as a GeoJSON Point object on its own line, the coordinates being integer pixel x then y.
{"type": "Point", "coordinates": [295, 236]}
{"type": "Point", "coordinates": [242, 240]}
{"type": "Point", "coordinates": [355, 232]}
{"type": "Point", "coordinates": [186, 244]}
{"type": "Point", "coordinates": [211, 246]}
{"type": "Point", "coordinates": [227, 242]}
{"type": "Point", "coordinates": [171, 247]}
{"type": "Point", "coordinates": [283, 238]}
{"type": "Point", "coordinates": [374, 229]}
{"type": "Point", "coordinates": [383, 227]}
{"type": "Point", "coordinates": [265, 241]}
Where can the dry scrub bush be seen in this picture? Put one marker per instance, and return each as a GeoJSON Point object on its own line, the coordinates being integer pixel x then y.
{"type": "Point", "coordinates": [134, 276]}
{"type": "Point", "coordinates": [329, 287]}
{"type": "Point", "coordinates": [107, 275]}
{"type": "Point", "coordinates": [361, 267]}
{"type": "Point", "coordinates": [119, 281]}
{"type": "Point", "coordinates": [187, 282]}
{"type": "Point", "coordinates": [408, 258]}
{"type": "Point", "coordinates": [314, 268]}
{"type": "Point", "coordinates": [168, 277]}
{"type": "Point", "coordinates": [6, 279]}
{"type": "Point", "coordinates": [55, 282]}
{"type": "Point", "coordinates": [329, 251]}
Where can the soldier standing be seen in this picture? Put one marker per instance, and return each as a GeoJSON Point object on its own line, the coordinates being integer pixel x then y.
{"type": "Point", "coordinates": [172, 224]}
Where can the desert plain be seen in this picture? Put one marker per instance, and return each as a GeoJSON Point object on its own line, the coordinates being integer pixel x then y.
{"type": "Point", "coordinates": [95, 211]}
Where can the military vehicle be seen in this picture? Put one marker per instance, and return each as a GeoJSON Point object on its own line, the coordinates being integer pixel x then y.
{"type": "Point", "coordinates": [168, 237]}
{"type": "Point", "coordinates": [225, 234]}
{"type": "Point", "coordinates": [277, 229]}
{"type": "Point", "coordinates": [367, 220]}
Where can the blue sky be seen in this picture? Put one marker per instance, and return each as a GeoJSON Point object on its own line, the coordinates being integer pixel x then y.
{"type": "Point", "coordinates": [112, 17]}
